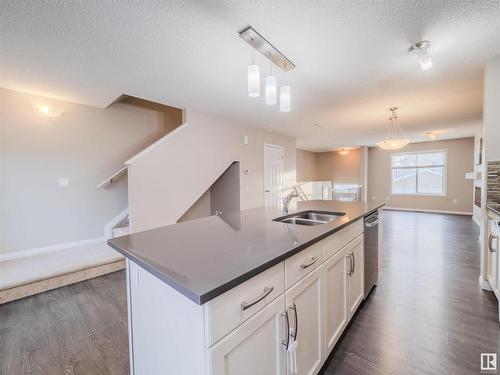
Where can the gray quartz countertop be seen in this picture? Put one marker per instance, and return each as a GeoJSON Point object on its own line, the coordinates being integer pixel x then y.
{"type": "Point", "coordinates": [206, 257]}
{"type": "Point", "coordinates": [494, 207]}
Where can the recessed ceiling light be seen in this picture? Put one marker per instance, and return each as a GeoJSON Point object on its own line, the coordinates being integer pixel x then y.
{"type": "Point", "coordinates": [420, 49]}
{"type": "Point", "coordinates": [343, 151]}
{"type": "Point", "coordinates": [431, 135]}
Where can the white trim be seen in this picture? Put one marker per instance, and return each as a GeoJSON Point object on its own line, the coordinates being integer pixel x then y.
{"type": "Point", "coordinates": [108, 228]}
{"type": "Point", "coordinates": [155, 144]}
{"type": "Point", "coordinates": [485, 285]}
{"type": "Point", "coordinates": [49, 249]}
{"type": "Point", "coordinates": [467, 213]}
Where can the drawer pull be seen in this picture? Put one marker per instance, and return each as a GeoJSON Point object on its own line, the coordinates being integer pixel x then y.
{"type": "Point", "coordinates": [313, 260]}
{"type": "Point", "coordinates": [265, 293]}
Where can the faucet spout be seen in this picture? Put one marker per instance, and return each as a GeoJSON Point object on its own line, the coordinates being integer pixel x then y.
{"type": "Point", "coordinates": [286, 201]}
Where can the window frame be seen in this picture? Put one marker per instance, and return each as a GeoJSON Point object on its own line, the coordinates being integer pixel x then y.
{"type": "Point", "coordinates": [444, 166]}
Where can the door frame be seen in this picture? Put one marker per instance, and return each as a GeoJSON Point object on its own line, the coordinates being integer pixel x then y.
{"type": "Point", "coordinates": [282, 148]}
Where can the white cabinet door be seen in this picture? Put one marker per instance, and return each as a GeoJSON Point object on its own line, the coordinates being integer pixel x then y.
{"type": "Point", "coordinates": [492, 259]}
{"type": "Point", "coordinates": [255, 347]}
{"type": "Point", "coordinates": [335, 287]}
{"type": "Point", "coordinates": [356, 281]}
{"type": "Point", "coordinates": [304, 303]}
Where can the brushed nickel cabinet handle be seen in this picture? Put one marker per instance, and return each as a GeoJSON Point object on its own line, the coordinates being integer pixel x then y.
{"type": "Point", "coordinates": [490, 243]}
{"type": "Point", "coordinates": [296, 330]}
{"type": "Point", "coordinates": [349, 272]}
{"type": "Point", "coordinates": [303, 266]}
{"type": "Point", "coordinates": [248, 304]}
{"type": "Point", "coordinates": [353, 263]}
{"type": "Point", "coordinates": [286, 342]}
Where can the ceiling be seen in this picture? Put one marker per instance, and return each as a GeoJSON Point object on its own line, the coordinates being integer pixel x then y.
{"type": "Point", "coordinates": [351, 57]}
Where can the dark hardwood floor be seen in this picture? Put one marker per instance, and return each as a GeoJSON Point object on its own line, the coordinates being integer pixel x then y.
{"type": "Point", "coordinates": [76, 329]}
{"type": "Point", "coordinates": [426, 316]}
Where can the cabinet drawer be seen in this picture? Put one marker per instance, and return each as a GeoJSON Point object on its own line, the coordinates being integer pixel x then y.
{"type": "Point", "coordinates": [229, 310]}
{"type": "Point", "coordinates": [339, 239]}
{"type": "Point", "coordinates": [303, 263]}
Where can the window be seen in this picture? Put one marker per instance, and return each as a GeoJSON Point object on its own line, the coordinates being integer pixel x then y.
{"type": "Point", "coordinates": [419, 173]}
{"type": "Point", "coordinates": [346, 192]}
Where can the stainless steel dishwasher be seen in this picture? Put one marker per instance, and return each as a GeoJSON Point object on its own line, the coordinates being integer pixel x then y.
{"type": "Point", "coordinates": [371, 250]}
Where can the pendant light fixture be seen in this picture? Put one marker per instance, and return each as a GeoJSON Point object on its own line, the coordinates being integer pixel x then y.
{"type": "Point", "coordinates": [392, 141]}
{"type": "Point", "coordinates": [420, 50]}
{"type": "Point", "coordinates": [270, 52]}
{"type": "Point", "coordinates": [271, 88]}
{"type": "Point", "coordinates": [253, 76]}
{"type": "Point", "coordinates": [285, 95]}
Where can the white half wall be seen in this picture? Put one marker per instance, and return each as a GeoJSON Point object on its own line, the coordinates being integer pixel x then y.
{"type": "Point", "coordinates": [167, 180]}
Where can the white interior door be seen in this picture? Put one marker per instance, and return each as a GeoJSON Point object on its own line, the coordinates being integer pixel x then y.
{"type": "Point", "coordinates": [273, 175]}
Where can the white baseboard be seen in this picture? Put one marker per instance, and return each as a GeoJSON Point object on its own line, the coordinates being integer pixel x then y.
{"type": "Point", "coordinates": [49, 249]}
{"type": "Point", "coordinates": [467, 213]}
{"type": "Point", "coordinates": [485, 285]}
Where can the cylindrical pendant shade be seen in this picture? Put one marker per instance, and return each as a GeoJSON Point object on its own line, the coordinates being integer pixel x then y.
{"type": "Point", "coordinates": [271, 90]}
{"type": "Point", "coordinates": [253, 81]}
{"type": "Point", "coordinates": [285, 98]}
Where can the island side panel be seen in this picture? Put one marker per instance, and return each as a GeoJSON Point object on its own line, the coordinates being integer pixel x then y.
{"type": "Point", "coordinates": [167, 329]}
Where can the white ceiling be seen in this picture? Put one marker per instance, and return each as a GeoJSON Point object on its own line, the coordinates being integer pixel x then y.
{"type": "Point", "coordinates": [351, 57]}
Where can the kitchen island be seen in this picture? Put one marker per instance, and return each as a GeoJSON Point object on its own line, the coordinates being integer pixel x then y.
{"type": "Point", "coordinates": [243, 293]}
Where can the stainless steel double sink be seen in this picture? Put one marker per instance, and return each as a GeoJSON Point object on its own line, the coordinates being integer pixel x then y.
{"type": "Point", "coordinates": [310, 217]}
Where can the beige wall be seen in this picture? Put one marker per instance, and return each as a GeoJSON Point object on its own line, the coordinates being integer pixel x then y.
{"type": "Point", "coordinates": [460, 159]}
{"type": "Point", "coordinates": [307, 162]}
{"type": "Point", "coordinates": [167, 180]}
{"type": "Point", "coordinates": [340, 168]}
{"type": "Point", "coordinates": [86, 145]}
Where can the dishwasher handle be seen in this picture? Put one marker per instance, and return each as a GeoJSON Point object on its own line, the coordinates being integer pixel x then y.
{"type": "Point", "coordinates": [371, 224]}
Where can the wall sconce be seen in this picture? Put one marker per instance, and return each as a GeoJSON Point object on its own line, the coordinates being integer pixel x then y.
{"type": "Point", "coordinates": [47, 111]}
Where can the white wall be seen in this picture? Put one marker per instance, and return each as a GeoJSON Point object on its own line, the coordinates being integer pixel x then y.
{"type": "Point", "coordinates": [167, 180]}
{"type": "Point", "coordinates": [86, 145]}
{"type": "Point", "coordinates": [491, 109]}
{"type": "Point", "coordinates": [491, 124]}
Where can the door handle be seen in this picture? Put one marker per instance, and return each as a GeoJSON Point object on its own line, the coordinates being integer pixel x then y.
{"type": "Point", "coordinates": [286, 342]}
{"type": "Point", "coordinates": [265, 293]}
{"type": "Point", "coordinates": [313, 260]}
{"type": "Point", "coordinates": [353, 262]}
{"type": "Point", "coordinates": [296, 329]}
